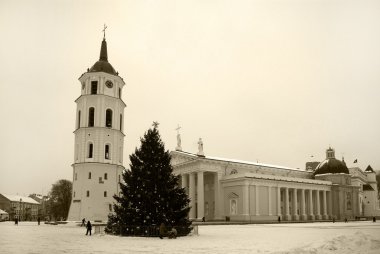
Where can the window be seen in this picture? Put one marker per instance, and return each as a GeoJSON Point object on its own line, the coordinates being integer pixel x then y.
{"type": "Point", "coordinates": [105, 194]}
{"type": "Point", "coordinates": [109, 118]}
{"type": "Point", "coordinates": [76, 176]}
{"type": "Point", "coordinates": [90, 150]}
{"type": "Point", "coordinates": [110, 207]}
{"type": "Point", "coordinates": [105, 176]}
{"type": "Point", "coordinates": [91, 117]}
{"type": "Point", "coordinates": [94, 87]}
{"type": "Point", "coordinates": [107, 152]}
{"type": "Point", "coordinates": [121, 122]}
{"type": "Point", "coordinates": [89, 175]}
{"type": "Point", "coordinates": [78, 120]}
{"type": "Point", "coordinates": [74, 194]}
{"type": "Point", "coordinates": [119, 178]}
{"type": "Point", "coordinates": [88, 193]}
{"type": "Point", "coordinates": [119, 92]}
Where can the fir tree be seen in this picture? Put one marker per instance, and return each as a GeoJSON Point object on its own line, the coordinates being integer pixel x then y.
{"type": "Point", "coordinates": [150, 192]}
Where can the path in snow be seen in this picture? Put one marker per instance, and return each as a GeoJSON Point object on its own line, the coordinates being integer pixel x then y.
{"type": "Point", "coordinates": [316, 238]}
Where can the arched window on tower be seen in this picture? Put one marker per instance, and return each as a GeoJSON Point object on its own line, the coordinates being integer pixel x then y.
{"type": "Point", "coordinates": [91, 117]}
{"type": "Point", "coordinates": [90, 150]}
{"type": "Point", "coordinates": [107, 151]}
{"type": "Point", "coordinates": [121, 122]}
{"type": "Point", "coordinates": [109, 118]}
{"type": "Point", "coordinates": [78, 120]}
{"type": "Point", "coordinates": [119, 92]}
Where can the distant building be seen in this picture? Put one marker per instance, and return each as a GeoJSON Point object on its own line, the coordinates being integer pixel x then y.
{"type": "Point", "coordinates": [247, 191]}
{"type": "Point", "coordinates": [3, 215]}
{"type": "Point", "coordinates": [43, 212]}
{"type": "Point", "coordinates": [23, 208]}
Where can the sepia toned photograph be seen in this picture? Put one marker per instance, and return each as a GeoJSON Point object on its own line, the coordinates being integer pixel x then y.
{"type": "Point", "coordinates": [166, 126]}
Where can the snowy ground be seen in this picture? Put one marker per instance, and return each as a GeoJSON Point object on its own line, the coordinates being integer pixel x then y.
{"type": "Point", "coordinates": [353, 237]}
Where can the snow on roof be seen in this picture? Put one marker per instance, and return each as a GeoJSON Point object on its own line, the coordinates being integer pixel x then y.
{"type": "Point", "coordinates": [3, 212]}
{"type": "Point", "coordinates": [241, 162]}
{"type": "Point", "coordinates": [280, 178]}
{"type": "Point", "coordinates": [23, 199]}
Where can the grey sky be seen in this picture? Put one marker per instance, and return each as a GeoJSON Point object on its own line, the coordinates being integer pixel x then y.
{"type": "Point", "coordinates": [273, 81]}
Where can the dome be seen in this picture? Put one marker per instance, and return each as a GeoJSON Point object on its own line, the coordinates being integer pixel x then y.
{"type": "Point", "coordinates": [331, 165]}
{"type": "Point", "coordinates": [103, 66]}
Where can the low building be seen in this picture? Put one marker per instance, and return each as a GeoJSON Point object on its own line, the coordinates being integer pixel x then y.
{"type": "Point", "coordinates": [222, 189]}
{"type": "Point", "coordinates": [3, 215]}
{"type": "Point", "coordinates": [20, 207]}
{"type": "Point", "coordinates": [43, 212]}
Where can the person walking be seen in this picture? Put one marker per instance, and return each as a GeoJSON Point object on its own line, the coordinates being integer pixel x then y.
{"type": "Point", "coordinates": [16, 221]}
{"type": "Point", "coordinates": [89, 227]}
{"type": "Point", "coordinates": [162, 230]}
{"type": "Point", "coordinates": [83, 222]}
{"type": "Point", "coordinates": [39, 220]}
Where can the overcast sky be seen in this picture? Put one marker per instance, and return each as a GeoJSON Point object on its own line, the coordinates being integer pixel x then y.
{"type": "Point", "coordinates": [268, 81]}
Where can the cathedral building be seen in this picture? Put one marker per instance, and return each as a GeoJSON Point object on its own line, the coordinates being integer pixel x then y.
{"type": "Point", "coordinates": [225, 189]}
{"type": "Point", "coordinates": [99, 141]}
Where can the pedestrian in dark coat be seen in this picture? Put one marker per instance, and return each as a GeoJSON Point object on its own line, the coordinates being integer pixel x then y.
{"type": "Point", "coordinates": [16, 221]}
{"type": "Point", "coordinates": [162, 230]}
{"type": "Point", "coordinates": [83, 222]}
{"type": "Point", "coordinates": [39, 220]}
{"type": "Point", "coordinates": [89, 227]}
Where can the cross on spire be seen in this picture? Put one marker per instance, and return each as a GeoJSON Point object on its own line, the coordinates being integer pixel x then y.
{"type": "Point", "coordinates": [178, 128]}
{"type": "Point", "coordinates": [104, 31]}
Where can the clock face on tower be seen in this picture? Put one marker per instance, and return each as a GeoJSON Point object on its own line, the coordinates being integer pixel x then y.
{"type": "Point", "coordinates": [109, 83]}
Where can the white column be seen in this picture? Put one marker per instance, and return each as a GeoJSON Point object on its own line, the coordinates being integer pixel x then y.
{"type": "Point", "coordinates": [325, 216]}
{"type": "Point", "coordinates": [295, 205]}
{"type": "Point", "coordinates": [184, 182]}
{"type": "Point", "coordinates": [279, 201]}
{"type": "Point", "coordinates": [192, 195]}
{"type": "Point", "coordinates": [269, 200]}
{"type": "Point", "coordinates": [246, 200]}
{"type": "Point", "coordinates": [311, 213]}
{"type": "Point", "coordinates": [257, 200]}
{"type": "Point", "coordinates": [200, 195]}
{"type": "Point", "coordinates": [287, 215]}
{"type": "Point", "coordinates": [318, 213]}
{"type": "Point", "coordinates": [216, 197]}
{"type": "Point", "coordinates": [303, 204]}
{"type": "Point", "coordinates": [330, 205]}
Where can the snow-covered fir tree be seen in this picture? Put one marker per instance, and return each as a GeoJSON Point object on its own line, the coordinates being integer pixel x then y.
{"type": "Point", "coordinates": [150, 194]}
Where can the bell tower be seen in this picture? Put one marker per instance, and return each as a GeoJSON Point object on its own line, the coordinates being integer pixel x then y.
{"type": "Point", "coordinates": [99, 141]}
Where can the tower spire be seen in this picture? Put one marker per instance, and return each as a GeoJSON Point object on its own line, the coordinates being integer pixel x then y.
{"type": "Point", "coordinates": [103, 49]}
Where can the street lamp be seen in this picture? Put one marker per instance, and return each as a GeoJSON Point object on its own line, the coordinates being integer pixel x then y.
{"type": "Point", "coordinates": [19, 212]}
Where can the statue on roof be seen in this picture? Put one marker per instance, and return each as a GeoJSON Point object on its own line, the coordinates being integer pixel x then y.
{"type": "Point", "coordinates": [178, 148]}
{"type": "Point", "coordinates": [200, 148]}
